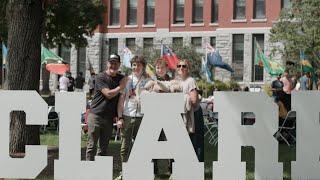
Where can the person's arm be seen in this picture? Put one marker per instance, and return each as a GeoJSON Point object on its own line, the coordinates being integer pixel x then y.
{"type": "Point", "coordinates": [111, 93]}
{"type": "Point", "coordinates": [120, 108]}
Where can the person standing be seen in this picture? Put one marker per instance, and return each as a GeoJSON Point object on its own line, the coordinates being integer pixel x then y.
{"type": "Point", "coordinates": [304, 82]}
{"type": "Point", "coordinates": [193, 115]}
{"type": "Point", "coordinates": [79, 82]}
{"type": "Point", "coordinates": [71, 83]}
{"type": "Point", "coordinates": [63, 83]}
{"type": "Point", "coordinates": [129, 110]}
{"type": "Point", "coordinates": [109, 85]}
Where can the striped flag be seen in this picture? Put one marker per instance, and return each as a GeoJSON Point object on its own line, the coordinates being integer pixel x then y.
{"type": "Point", "coordinates": [169, 56]}
{"type": "Point", "coordinates": [127, 56]}
{"type": "Point", "coordinates": [214, 58]}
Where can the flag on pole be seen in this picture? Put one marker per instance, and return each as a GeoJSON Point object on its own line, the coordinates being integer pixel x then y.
{"type": "Point", "coordinates": [272, 67]}
{"type": "Point", "coordinates": [127, 56]}
{"type": "Point", "coordinates": [4, 55]}
{"type": "Point", "coordinates": [170, 57]}
{"type": "Point", "coordinates": [215, 59]}
{"type": "Point", "coordinates": [305, 64]}
{"type": "Point", "coordinates": [206, 70]}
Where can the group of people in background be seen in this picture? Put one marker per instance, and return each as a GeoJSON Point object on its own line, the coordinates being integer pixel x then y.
{"type": "Point", "coordinates": [117, 99]}
{"type": "Point", "coordinates": [69, 84]}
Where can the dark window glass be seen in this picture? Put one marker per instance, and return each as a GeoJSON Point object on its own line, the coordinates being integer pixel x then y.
{"type": "Point", "coordinates": [259, 9]}
{"type": "Point", "coordinates": [131, 43]}
{"type": "Point", "coordinates": [257, 70]}
{"type": "Point", "coordinates": [239, 11]}
{"type": "Point", "coordinates": [115, 11]}
{"type": "Point", "coordinates": [147, 43]}
{"type": "Point", "coordinates": [196, 42]}
{"type": "Point", "coordinates": [237, 56]}
{"type": "Point", "coordinates": [179, 11]}
{"type": "Point", "coordinates": [132, 12]}
{"type": "Point", "coordinates": [214, 11]}
{"type": "Point", "coordinates": [213, 41]}
{"type": "Point", "coordinates": [149, 12]}
{"type": "Point", "coordinates": [113, 46]}
{"type": "Point", "coordinates": [64, 53]}
{"type": "Point", "coordinates": [177, 41]}
{"type": "Point", "coordinates": [81, 63]}
{"type": "Point", "coordinates": [197, 11]}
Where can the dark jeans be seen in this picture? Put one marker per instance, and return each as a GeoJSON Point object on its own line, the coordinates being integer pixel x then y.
{"type": "Point", "coordinates": [197, 138]}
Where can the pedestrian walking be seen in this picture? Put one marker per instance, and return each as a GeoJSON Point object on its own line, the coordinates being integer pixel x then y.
{"type": "Point", "coordinates": [79, 82]}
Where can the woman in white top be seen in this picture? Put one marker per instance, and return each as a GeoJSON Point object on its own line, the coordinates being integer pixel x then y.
{"type": "Point", "coordinates": [193, 114]}
{"type": "Point", "coordinates": [129, 107]}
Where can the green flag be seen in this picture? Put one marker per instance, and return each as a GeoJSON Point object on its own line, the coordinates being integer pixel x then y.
{"type": "Point", "coordinates": [272, 67]}
{"type": "Point", "coordinates": [49, 57]}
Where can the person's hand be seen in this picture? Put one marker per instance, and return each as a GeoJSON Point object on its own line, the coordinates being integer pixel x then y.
{"type": "Point", "coordinates": [120, 123]}
{"type": "Point", "coordinates": [123, 83]}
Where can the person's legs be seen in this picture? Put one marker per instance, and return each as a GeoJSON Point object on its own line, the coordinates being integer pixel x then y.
{"type": "Point", "coordinates": [105, 136]}
{"type": "Point", "coordinates": [126, 138]}
{"type": "Point", "coordinates": [199, 134]}
{"type": "Point", "coordinates": [93, 136]}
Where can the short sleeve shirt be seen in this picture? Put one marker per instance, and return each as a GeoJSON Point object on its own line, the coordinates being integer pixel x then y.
{"type": "Point", "coordinates": [101, 105]}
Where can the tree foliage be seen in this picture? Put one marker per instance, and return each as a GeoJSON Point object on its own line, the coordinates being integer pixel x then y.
{"type": "Point", "coordinates": [65, 22]}
{"type": "Point", "coordinates": [298, 28]}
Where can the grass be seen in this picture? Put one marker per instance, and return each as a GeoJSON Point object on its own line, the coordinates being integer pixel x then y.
{"type": "Point", "coordinates": [286, 155]}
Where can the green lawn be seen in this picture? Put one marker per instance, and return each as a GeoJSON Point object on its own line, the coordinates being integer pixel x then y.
{"type": "Point", "coordinates": [286, 155]}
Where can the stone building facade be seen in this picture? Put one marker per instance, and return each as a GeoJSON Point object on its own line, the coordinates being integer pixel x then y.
{"type": "Point", "coordinates": [232, 26]}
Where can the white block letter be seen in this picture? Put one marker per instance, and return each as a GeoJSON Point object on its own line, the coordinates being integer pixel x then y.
{"type": "Point", "coordinates": [233, 135]}
{"type": "Point", "coordinates": [35, 159]}
{"type": "Point", "coordinates": [162, 111]}
{"type": "Point", "coordinates": [307, 106]}
{"type": "Point", "coordinates": [69, 166]}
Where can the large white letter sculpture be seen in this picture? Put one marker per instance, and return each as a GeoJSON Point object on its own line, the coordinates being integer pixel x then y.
{"type": "Point", "coordinates": [162, 111]}
{"type": "Point", "coordinates": [233, 135]}
{"type": "Point", "coordinates": [307, 165]}
{"type": "Point", "coordinates": [35, 159]}
{"type": "Point", "coordinates": [69, 166]}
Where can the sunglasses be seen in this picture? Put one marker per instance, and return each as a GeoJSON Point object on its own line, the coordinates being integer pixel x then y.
{"type": "Point", "coordinates": [183, 66]}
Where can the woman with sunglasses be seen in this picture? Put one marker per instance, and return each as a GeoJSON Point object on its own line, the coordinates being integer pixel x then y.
{"type": "Point", "coordinates": [193, 114]}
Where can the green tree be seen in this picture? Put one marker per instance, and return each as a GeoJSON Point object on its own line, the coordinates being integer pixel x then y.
{"type": "Point", "coordinates": [28, 23]}
{"type": "Point", "coordinates": [298, 28]}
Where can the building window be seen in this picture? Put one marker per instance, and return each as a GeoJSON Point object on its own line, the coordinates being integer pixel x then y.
{"type": "Point", "coordinates": [147, 43]}
{"type": "Point", "coordinates": [213, 42]}
{"type": "Point", "coordinates": [196, 42]}
{"type": "Point", "coordinates": [177, 42]}
{"type": "Point", "coordinates": [115, 11]}
{"type": "Point", "coordinates": [237, 56]}
{"type": "Point", "coordinates": [132, 12]}
{"type": "Point", "coordinates": [239, 10]}
{"type": "Point", "coordinates": [113, 46]}
{"type": "Point", "coordinates": [285, 4]}
{"type": "Point", "coordinates": [81, 60]}
{"type": "Point", "coordinates": [178, 11]}
{"type": "Point", "coordinates": [259, 9]}
{"type": "Point", "coordinates": [197, 11]}
{"type": "Point", "coordinates": [149, 12]}
{"type": "Point", "coordinates": [214, 11]}
{"type": "Point", "coordinates": [257, 70]}
{"type": "Point", "coordinates": [64, 53]}
{"type": "Point", "coordinates": [131, 43]}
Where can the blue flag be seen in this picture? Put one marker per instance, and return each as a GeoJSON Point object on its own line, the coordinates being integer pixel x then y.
{"type": "Point", "coordinates": [206, 70]}
{"type": "Point", "coordinates": [215, 60]}
{"type": "Point", "coordinates": [4, 55]}
{"type": "Point", "coordinates": [127, 56]}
